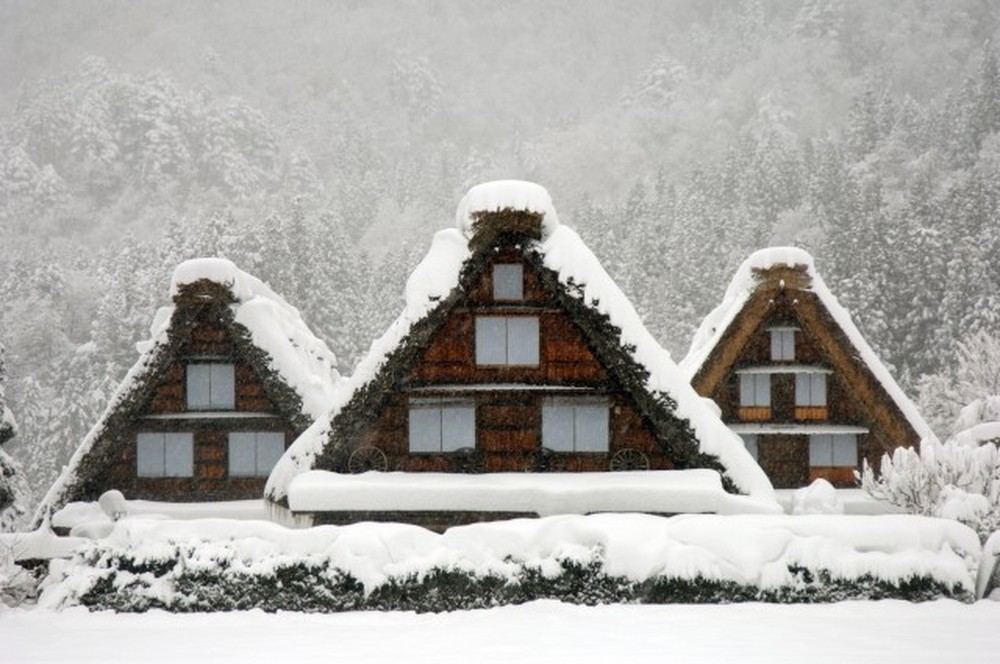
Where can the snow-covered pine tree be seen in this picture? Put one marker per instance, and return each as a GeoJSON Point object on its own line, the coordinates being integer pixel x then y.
{"type": "Point", "coordinates": [14, 492]}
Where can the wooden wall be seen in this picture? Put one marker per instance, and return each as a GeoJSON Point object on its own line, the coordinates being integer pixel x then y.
{"type": "Point", "coordinates": [508, 421]}
{"type": "Point", "coordinates": [209, 339]}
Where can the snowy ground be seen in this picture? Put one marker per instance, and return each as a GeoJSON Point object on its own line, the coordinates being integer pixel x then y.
{"type": "Point", "coordinates": [885, 632]}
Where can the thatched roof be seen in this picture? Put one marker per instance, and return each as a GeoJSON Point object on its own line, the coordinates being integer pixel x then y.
{"type": "Point", "coordinates": [521, 216]}
{"type": "Point", "coordinates": [746, 304]}
{"type": "Point", "coordinates": [296, 368]}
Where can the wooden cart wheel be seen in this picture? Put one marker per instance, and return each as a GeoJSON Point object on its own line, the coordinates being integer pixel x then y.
{"type": "Point", "coordinates": [469, 460]}
{"type": "Point", "coordinates": [367, 457]}
{"type": "Point", "coordinates": [629, 459]}
{"type": "Point", "coordinates": [544, 460]}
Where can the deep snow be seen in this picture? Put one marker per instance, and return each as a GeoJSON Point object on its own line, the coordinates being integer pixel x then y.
{"type": "Point", "coordinates": [545, 631]}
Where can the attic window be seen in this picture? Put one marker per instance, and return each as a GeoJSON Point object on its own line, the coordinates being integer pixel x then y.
{"type": "Point", "coordinates": [254, 453]}
{"type": "Point", "coordinates": [507, 340]}
{"type": "Point", "coordinates": [508, 281]}
{"type": "Point", "coordinates": [575, 425]}
{"type": "Point", "coordinates": [161, 454]}
{"type": "Point", "coordinates": [782, 343]}
{"type": "Point", "coordinates": [211, 387]}
{"type": "Point", "coordinates": [441, 425]}
{"type": "Point", "coordinates": [810, 396]}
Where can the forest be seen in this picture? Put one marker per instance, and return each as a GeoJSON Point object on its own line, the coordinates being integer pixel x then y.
{"type": "Point", "coordinates": [319, 144]}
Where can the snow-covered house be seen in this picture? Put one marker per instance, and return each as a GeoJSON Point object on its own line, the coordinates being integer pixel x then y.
{"type": "Point", "coordinates": [515, 352]}
{"type": "Point", "coordinates": [794, 376]}
{"type": "Point", "coordinates": [230, 376]}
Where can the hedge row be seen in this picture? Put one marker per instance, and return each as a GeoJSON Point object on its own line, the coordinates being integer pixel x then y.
{"type": "Point", "coordinates": [123, 583]}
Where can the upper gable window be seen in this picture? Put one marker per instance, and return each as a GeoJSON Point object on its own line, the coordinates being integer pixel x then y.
{"type": "Point", "coordinates": [211, 387]}
{"type": "Point", "coordinates": [508, 281]}
{"type": "Point", "coordinates": [782, 343]}
{"type": "Point", "coordinates": [507, 340]}
{"type": "Point", "coordinates": [810, 389]}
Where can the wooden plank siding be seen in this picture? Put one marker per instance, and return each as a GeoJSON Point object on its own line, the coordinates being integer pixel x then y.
{"type": "Point", "coordinates": [508, 400]}
{"type": "Point", "coordinates": [166, 411]}
{"type": "Point", "coordinates": [853, 396]}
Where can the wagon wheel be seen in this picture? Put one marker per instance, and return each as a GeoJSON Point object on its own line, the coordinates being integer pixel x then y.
{"type": "Point", "coordinates": [366, 458]}
{"type": "Point", "coordinates": [629, 459]}
{"type": "Point", "coordinates": [544, 460]}
{"type": "Point", "coordinates": [469, 460]}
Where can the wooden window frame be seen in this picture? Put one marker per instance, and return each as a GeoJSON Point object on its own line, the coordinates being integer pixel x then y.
{"type": "Point", "coordinates": [228, 402]}
{"type": "Point", "coordinates": [508, 288]}
{"type": "Point", "coordinates": [482, 330]}
{"type": "Point", "coordinates": [577, 405]}
{"type": "Point", "coordinates": [439, 405]}
{"type": "Point", "coordinates": [163, 439]}
{"type": "Point", "coordinates": [258, 471]}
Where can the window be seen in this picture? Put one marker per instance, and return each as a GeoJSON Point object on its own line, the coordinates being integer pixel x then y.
{"type": "Point", "coordinates": [507, 340]}
{"type": "Point", "coordinates": [211, 386]}
{"type": "Point", "coordinates": [755, 396]}
{"type": "Point", "coordinates": [783, 343]}
{"type": "Point", "coordinates": [751, 442]}
{"type": "Point", "coordinates": [574, 425]}
{"type": "Point", "coordinates": [254, 453]}
{"type": "Point", "coordinates": [838, 449]}
{"type": "Point", "coordinates": [441, 425]}
{"type": "Point", "coordinates": [755, 389]}
{"type": "Point", "coordinates": [810, 389]}
{"type": "Point", "coordinates": [161, 454]}
{"type": "Point", "coordinates": [508, 281]}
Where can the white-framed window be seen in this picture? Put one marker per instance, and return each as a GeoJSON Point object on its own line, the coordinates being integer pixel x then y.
{"type": "Point", "coordinates": [837, 449]}
{"type": "Point", "coordinates": [575, 425]}
{"type": "Point", "coordinates": [508, 281]}
{"type": "Point", "coordinates": [211, 386]}
{"type": "Point", "coordinates": [752, 442]}
{"type": "Point", "coordinates": [782, 343]}
{"type": "Point", "coordinates": [254, 453]}
{"type": "Point", "coordinates": [508, 340]}
{"type": "Point", "coordinates": [161, 454]}
{"type": "Point", "coordinates": [755, 389]}
{"type": "Point", "coordinates": [441, 425]}
{"type": "Point", "coordinates": [810, 389]}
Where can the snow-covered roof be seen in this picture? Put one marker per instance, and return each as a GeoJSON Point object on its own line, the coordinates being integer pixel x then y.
{"type": "Point", "coordinates": [742, 287]}
{"type": "Point", "coordinates": [664, 492]}
{"type": "Point", "coordinates": [563, 252]}
{"type": "Point", "coordinates": [303, 361]}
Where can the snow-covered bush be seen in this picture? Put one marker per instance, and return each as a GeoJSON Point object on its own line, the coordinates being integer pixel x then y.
{"type": "Point", "coordinates": [949, 480]}
{"type": "Point", "coordinates": [219, 565]}
{"type": "Point", "coordinates": [16, 583]}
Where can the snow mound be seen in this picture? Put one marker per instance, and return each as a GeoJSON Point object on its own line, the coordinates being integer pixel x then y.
{"type": "Point", "coordinates": [818, 498]}
{"type": "Point", "coordinates": [545, 494]}
{"type": "Point", "coordinates": [501, 195]}
{"type": "Point", "coordinates": [742, 287]}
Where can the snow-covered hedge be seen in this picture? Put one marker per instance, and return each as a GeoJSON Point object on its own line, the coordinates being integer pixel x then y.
{"type": "Point", "coordinates": [217, 565]}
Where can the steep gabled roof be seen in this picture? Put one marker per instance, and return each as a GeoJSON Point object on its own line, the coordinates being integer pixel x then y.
{"type": "Point", "coordinates": [752, 284]}
{"type": "Point", "coordinates": [296, 368]}
{"type": "Point", "coordinates": [570, 273]}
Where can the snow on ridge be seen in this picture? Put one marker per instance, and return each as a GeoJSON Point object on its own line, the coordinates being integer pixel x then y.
{"type": "Point", "coordinates": [502, 194]}
{"type": "Point", "coordinates": [742, 287]}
